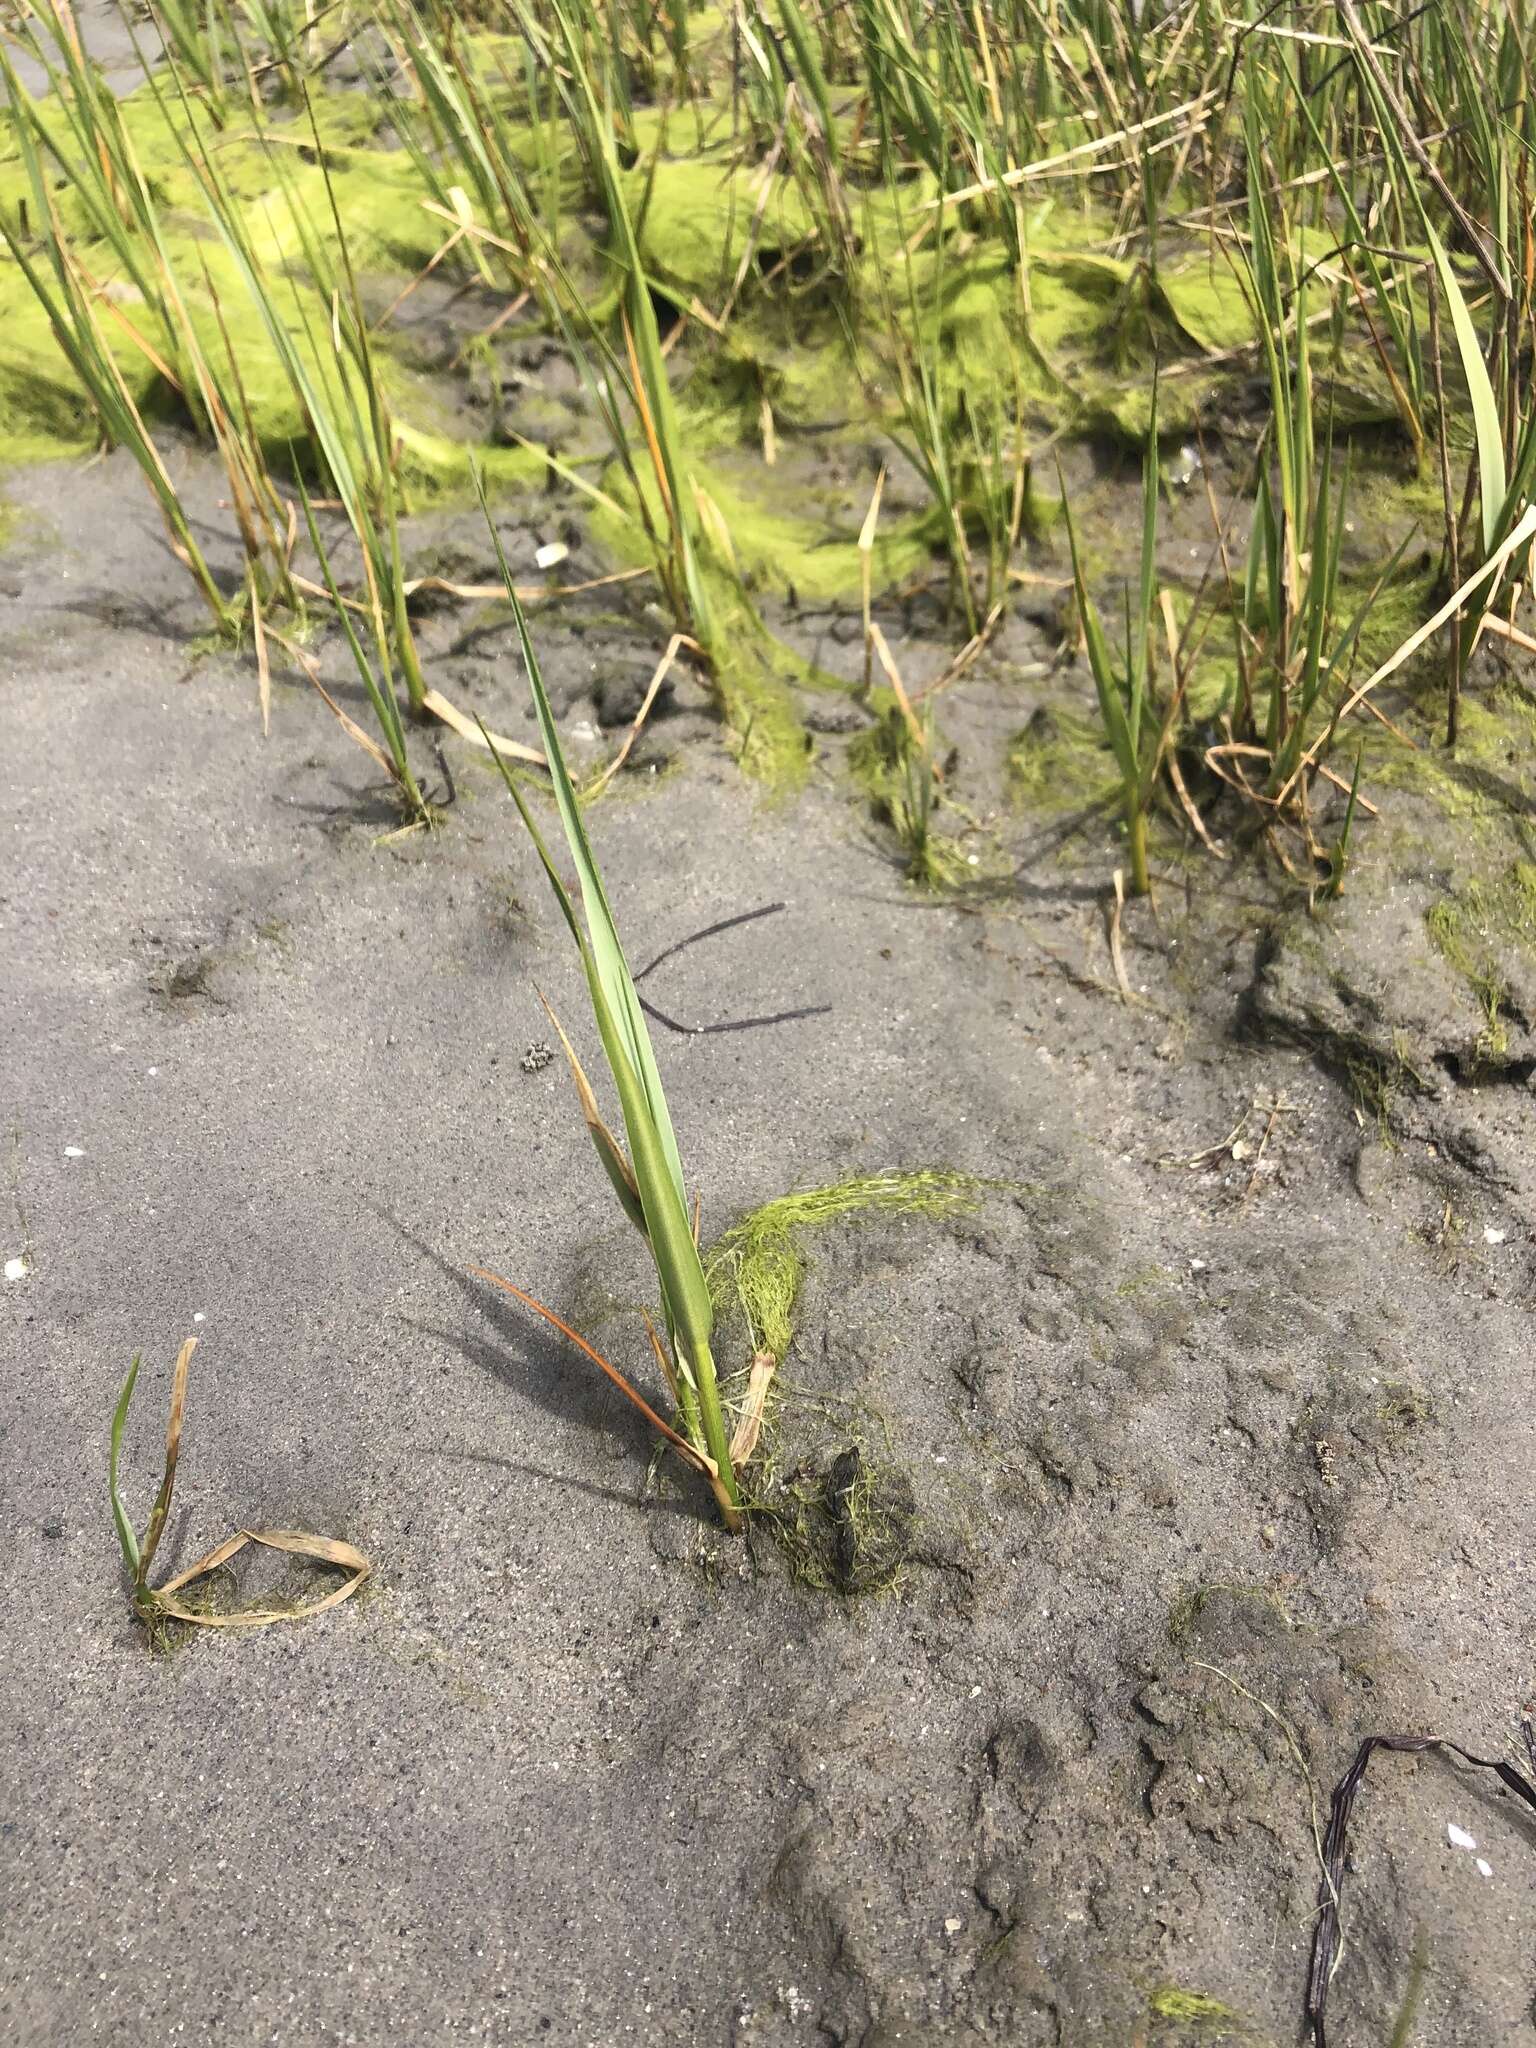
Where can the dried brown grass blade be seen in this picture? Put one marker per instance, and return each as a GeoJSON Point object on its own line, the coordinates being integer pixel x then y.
{"type": "Point", "coordinates": [155, 1526]}
{"type": "Point", "coordinates": [297, 1542]}
{"type": "Point", "coordinates": [160, 1602]}
{"type": "Point", "coordinates": [1494, 624]}
{"type": "Point", "coordinates": [612, 1151]}
{"type": "Point", "coordinates": [1187, 805]}
{"type": "Point", "coordinates": [1096, 147]}
{"type": "Point", "coordinates": [1520, 537]}
{"type": "Point", "coordinates": [749, 1422]}
{"type": "Point", "coordinates": [466, 728]}
{"type": "Point", "coordinates": [674, 647]}
{"type": "Point", "coordinates": [263, 665]}
{"type": "Point", "coordinates": [527, 593]}
{"type": "Point", "coordinates": [421, 276]}
{"type": "Point", "coordinates": [648, 426]}
{"type": "Point", "coordinates": [663, 1363]}
{"type": "Point", "coordinates": [962, 661]}
{"type": "Point", "coordinates": [351, 728]}
{"type": "Point", "coordinates": [887, 660]}
{"type": "Point", "coordinates": [679, 1443]}
{"type": "Point", "coordinates": [867, 568]}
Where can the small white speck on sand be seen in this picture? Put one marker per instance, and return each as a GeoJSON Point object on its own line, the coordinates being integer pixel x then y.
{"type": "Point", "coordinates": [74, 1151]}
{"type": "Point", "coordinates": [16, 1269]}
{"type": "Point", "coordinates": [1484, 1866]}
{"type": "Point", "coordinates": [1458, 1837]}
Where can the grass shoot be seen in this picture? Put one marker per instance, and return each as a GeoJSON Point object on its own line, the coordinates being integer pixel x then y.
{"type": "Point", "coordinates": [648, 1182]}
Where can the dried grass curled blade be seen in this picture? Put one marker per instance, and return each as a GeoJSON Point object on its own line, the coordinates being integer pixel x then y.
{"type": "Point", "coordinates": [298, 1543]}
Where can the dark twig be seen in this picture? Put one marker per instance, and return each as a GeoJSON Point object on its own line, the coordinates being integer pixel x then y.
{"type": "Point", "coordinates": [711, 931]}
{"type": "Point", "coordinates": [734, 1023]}
{"type": "Point", "coordinates": [1325, 1941]}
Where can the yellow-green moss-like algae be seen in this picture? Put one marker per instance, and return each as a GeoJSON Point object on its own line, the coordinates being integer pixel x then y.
{"type": "Point", "coordinates": [758, 1265]}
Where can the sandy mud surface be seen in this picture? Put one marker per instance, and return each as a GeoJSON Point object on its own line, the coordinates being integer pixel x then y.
{"type": "Point", "coordinates": [1202, 1446]}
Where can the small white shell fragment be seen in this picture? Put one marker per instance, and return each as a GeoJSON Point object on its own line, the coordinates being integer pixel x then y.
{"type": "Point", "coordinates": [16, 1269]}
{"type": "Point", "coordinates": [953, 1926]}
{"type": "Point", "coordinates": [199, 1317]}
{"type": "Point", "coordinates": [1485, 1868]}
{"type": "Point", "coordinates": [1458, 1837]}
{"type": "Point", "coordinates": [74, 1151]}
{"type": "Point", "coordinates": [1492, 1236]}
{"type": "Point", "coordinates": [552, 551]}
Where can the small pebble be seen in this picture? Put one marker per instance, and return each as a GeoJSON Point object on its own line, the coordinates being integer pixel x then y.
{"type": "Point", "coordinates": [53, 1530]}
{"type": "Point", "coordinates": [1458, 1837]}
{"type": "Point", "coordinates": [16, 1269]}
{"type": "Point", "coordinates": [74, 1152]}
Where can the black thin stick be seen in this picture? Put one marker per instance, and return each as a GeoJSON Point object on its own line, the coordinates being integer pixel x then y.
{"type": "Point", "coordinates": [733, 1023]}
{"type": "Point", "coordinates": [1325, 1942]}
{"type": "Point", "coordinates": [710, 931]}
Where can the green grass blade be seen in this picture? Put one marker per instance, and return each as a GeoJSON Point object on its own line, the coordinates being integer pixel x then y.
{"type": "Point", "coordinates": [609, 963]}
{"type": "Point", "coordinates": [125, 1534]}
{"type": "Point", "coordinates": [614, 1164]}
{"type": "Point", "coordinates": [1141, 625]}
{"type": "Point", "coordinates": [1492, 481]}
{"type": "Point", "coordinates": [1105, 680]}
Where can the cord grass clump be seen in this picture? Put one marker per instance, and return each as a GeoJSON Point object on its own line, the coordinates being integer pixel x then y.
{"type": "Point", "coordinates": [758, 1265]}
